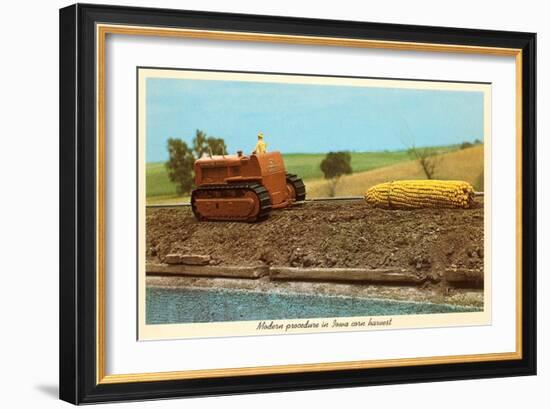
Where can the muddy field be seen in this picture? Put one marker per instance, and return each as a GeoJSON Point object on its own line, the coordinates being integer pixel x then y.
{"type": "Point", "coordinates": [327, 234]}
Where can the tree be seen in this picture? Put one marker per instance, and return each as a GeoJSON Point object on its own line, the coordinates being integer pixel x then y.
{"type": "Point", "coordinates": [427, 159]}
{"type": "Point", "coordinates": [180, 165]}
{"type": "Point", "coordinates": [208, 145]}
{"type": "Point", "coordinates": [200, 146]}
{"type": "Point", "coordinates": [216, 145]}
{"type": "Point", "coordinates": [182, 158]}
{"type": "Point", "coordinates": [334, 166]}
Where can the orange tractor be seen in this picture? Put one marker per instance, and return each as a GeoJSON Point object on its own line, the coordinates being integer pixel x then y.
{"type": "Point", "coordinates": [243, 188]}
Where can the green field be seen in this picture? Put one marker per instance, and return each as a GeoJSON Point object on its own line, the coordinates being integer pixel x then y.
{"type": "Point", "coordinates": [306, 165]}
{"type": "Point", "coordinates": [157, 182]}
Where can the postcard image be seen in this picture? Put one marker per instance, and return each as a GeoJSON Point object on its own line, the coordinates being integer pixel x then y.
{"type": "Point", "coordinates": [280, 203]}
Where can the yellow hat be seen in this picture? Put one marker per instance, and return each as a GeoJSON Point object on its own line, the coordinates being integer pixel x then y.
{"type": "Point", "coordinates": [260, 135]}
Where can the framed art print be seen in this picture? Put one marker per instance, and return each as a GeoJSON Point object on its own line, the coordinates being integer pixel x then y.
{"type": "Point", "coordinates": [258, 203]}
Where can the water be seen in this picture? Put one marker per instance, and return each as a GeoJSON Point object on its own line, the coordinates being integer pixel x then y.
{"type": "Point", "coordinates": [171, 306]}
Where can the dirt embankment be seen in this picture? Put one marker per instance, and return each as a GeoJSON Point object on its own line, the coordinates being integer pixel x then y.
{"type": "Point", "coordinates": [327, 234]}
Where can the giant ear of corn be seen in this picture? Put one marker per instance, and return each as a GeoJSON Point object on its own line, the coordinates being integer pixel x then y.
{"type": "Point", "coordinates": [417, 194]}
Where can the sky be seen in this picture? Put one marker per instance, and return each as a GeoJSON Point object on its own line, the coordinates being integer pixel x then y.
{"type": "Point", "coordinates": [303, 118]}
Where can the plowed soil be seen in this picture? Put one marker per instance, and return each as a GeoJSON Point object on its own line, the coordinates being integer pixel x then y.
{"type": "Point", "coordinates": [326, 234]}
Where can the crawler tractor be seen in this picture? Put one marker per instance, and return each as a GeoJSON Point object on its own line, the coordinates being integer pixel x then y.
{"type": "Point", "coordinates": [243, 187]}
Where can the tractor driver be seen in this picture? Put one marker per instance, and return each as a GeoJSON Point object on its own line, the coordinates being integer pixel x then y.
{"type": "Point", "coordinates": [261, 146]}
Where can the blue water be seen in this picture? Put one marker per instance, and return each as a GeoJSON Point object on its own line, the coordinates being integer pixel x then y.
{"type": "Point", "coordinates": [171, 306]}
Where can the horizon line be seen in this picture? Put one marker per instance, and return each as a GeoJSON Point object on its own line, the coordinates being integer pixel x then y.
{"type": "Point", "coordinates": [354, 151]}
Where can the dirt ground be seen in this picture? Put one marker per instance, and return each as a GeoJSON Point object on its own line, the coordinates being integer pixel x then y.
{"type": "Point", "coordinates": [326, 234]}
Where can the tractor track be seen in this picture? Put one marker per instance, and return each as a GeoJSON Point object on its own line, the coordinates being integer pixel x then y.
{"type": "Point", "coordinates": [304, 202]}
{"type": "Point", "coordinates": [320, 199]}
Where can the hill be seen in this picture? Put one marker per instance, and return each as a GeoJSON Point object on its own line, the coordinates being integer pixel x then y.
{"type": "Point", "coordinates": [465, 164]}
{"type": "Point", "coordinates": [308, 165]}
